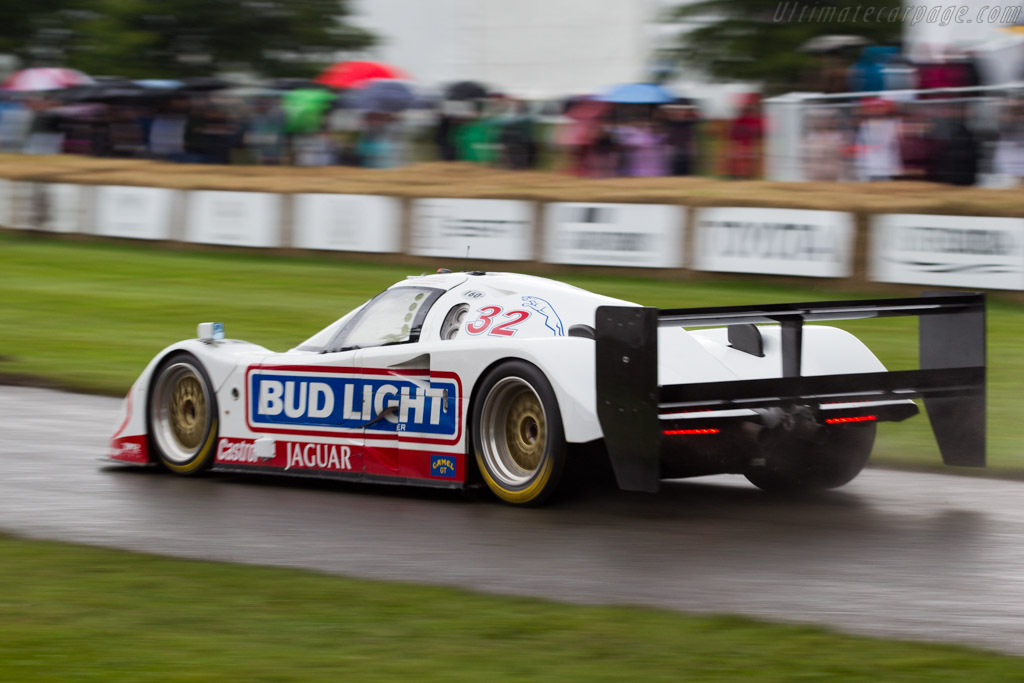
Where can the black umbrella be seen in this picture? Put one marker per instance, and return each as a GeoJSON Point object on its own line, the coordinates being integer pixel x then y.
{"type": "Point", "coordinates": [78, 93]}
{"type": "Point", "coordinates": [205, 84]}
{"type": "Point", "coordinates": [465, 90]}
{"type": "Point", "coordinates": [294, 84]}
{"type": "Point", "coordinates": [103, 90]}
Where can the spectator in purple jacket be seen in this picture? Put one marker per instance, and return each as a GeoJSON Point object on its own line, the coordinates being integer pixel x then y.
{"type": "Point", "coordinates": [646, 149]}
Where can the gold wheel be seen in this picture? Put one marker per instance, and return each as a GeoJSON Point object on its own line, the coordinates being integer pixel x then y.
{"type": "Point", "coordinates": [183, 416]}
{"type": "Point", "coordinates": [187, 411]}
{"type": "Point", "coordinates": [525, 432]}
{"type": "Point", "coordinates": [517, 434]}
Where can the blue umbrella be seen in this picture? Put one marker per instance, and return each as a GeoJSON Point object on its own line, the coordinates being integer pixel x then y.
{"type": "Point", "coordinates": [637, 93]}
{"type": "Point", "coordinates": [382, 95]}
{"type": "Point", "coordinates": [159, 83]}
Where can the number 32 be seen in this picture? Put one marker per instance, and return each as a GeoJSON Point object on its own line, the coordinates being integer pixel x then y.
{"type": "Point", "coordinates": [487, 316]}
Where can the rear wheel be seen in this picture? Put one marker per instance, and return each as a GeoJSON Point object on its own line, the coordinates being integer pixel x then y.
{"type": "Point", "coordinates": [826, 463]}
{"type": "Point", "coordinates": [183, 415]}
{"type": "Point", "coordinates": [518, 440]}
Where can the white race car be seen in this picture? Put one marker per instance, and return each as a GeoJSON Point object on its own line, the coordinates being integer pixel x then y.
{"type": "Point", "coordinates": [456, 378]}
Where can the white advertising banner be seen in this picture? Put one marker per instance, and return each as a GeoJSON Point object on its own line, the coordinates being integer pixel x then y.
{"type": "Point", "coordinates": [26, 205]}
{"type": "Point", "coordinates": [64, 207]}
{"type": "Point", "coordinates": [238, 219]}
{"type": "Point", "coordinates": [348, 222]}
{"type": "Point", "coordinates": [496, 229]}
{"type": "Point", "coordinates": [639, 235]}
{"type": "Point", "coordinates": [949, 251]}
{"type": "Point", "coordinates": [142, 213]}
{"type": "Point", "coordinates": [6, 203]}
{"type": "Point", "coordinates": [774, 241]}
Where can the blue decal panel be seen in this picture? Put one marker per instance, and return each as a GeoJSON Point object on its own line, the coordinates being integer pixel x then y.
{"type": "Point", "coordinates": [387, 404]}
{"type": "Point", "coordinates": [442, 466]}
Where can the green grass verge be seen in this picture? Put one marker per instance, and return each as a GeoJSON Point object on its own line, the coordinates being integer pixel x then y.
{"type": "Point", "coordinates": [89, 316]}
{"type": "Point", "coordinates": [75, 613]}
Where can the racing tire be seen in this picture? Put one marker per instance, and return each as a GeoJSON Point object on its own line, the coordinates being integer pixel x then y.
{"type": "Point", "coordinates": [518, 439]}
{"type": "Point", "coordinates": [182, 415]}
{"type": "Point", "coordinates": [827, 463]}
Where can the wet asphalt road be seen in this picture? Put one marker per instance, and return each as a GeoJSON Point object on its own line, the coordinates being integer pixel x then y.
{"type": "Point", "coordinates": [918, 556]}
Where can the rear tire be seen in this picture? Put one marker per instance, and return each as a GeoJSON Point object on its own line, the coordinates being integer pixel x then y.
{"type": "Point", "coordinates": [182, 415]}
{"type": "Point", "coordinates": [788, 465]}
{"type": "Point", "coordinates": [518, 440]}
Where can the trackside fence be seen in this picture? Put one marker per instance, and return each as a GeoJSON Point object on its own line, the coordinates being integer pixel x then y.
{"type": "Point", "coordinates": [966, 252]}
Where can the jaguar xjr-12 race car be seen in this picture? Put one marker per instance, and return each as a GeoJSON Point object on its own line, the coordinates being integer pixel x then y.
{"type": "Point", "coordinates": [455, 378]}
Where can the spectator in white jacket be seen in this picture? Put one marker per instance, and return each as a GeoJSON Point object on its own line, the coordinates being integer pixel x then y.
{"type": "Point", "coordinates": [878, 142]}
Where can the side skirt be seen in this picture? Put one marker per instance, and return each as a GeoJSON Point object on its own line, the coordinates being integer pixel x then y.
{"type": "Point", "coordinates": [356, 477]}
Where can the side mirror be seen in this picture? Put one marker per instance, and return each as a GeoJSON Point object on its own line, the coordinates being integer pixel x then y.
{"type": "Point", "coordinates": [209, 332]}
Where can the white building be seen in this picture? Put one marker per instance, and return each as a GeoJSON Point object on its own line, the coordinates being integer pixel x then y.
{"type": "Point", "coordinates": [533, 49]}
{"type": "Point", "coordinates": [528, 48]}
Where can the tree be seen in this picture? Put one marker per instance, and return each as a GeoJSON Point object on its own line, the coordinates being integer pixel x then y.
{"type": "Point", "coordinates": [759, 40]}
{"type": "Point", "coordinates": [180, 38]}
{"type": "Point", "coordinates": [33, 31]}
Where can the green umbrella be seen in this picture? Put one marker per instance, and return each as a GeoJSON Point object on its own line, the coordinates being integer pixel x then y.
{"type": "Point", "coordinates": [304, 109]}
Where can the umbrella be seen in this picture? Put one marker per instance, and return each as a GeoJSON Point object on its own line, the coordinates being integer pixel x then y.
{"type": "Point", "coordinates": [352, 74]}
{"type": "Point", "coordinates": [45, 79]}
{"type": "Point", "coordinates": [465, 90]}
{"type": "Point", "coordinates": [293, 84]}
{"type": "Point", "coordinates": [383, 95]}
{"type": "Point", "coordinates": [205, 84]}
{"type": "Point", "coordinates": [831, 43]}
{"type": "Point", "coordinates": [159, 83]}
{"type": "Point", "coordinates": [304, 108]}
{"type": "Point", "coordinates": [637, 93]}
{"type": "Point", "coordinates": [106, 88]}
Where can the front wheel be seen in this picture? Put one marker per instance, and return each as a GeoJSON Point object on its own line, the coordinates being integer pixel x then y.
{"type": "Point", "coordinates": [827, 463]}
{"type": "Point", "coordinates": [183, 415]}
{"type": "Point", "coordinates": [517, 432]}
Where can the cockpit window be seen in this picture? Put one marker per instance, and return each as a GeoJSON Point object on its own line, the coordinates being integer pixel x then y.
{"type": "Point", "coordinates": [395, 316]}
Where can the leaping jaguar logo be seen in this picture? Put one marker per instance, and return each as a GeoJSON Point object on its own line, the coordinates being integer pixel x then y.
{"type": "Point", "coordinates": [551, 319]}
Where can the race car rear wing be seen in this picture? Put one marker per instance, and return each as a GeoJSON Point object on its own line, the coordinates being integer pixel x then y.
{"type": "Point", "coordinates": [951, 379]}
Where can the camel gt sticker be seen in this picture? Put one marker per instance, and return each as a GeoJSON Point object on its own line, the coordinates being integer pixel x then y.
{"type": "Point", "coordinates": [409, 406]}
{"type": "Point", "coordinates": [442, 466]}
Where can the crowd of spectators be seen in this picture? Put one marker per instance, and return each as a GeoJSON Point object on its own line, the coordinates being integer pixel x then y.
{"type": "Point", "coordinates": [881, 67]}
{"type": "Point", "coordinates": [943, 136]}
{"type": "Point", "coordinates": [934, 140]}
{"type": "Point", "coordinates": [869, 126]}
{"type": "Point", "coordinates": [318, 126]}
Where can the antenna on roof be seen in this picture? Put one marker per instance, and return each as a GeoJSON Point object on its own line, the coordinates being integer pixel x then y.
{"type": "Point", "coordinates": [465, 262]}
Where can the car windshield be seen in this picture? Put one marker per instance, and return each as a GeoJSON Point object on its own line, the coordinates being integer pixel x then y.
{"type": "Point", "coordinates": [319, 341]}
{"type": "Point", "coordinates": [394, 316]}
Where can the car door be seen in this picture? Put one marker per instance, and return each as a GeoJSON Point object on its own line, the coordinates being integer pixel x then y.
{"type": "Point", "coordinates": [417, 412]}
{"type": "Point", "coordinates": [394, 390]}
{"type": "Point", "coordinates": [310, 404]}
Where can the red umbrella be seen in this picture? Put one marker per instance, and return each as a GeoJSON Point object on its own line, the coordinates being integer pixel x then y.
{"type": "Point", "coordinates": [45, 79]}
{"type": "Point", "coordinates": [351, 74]}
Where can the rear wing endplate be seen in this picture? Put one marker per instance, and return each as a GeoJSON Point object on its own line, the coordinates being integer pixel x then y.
{"type": "Point", "coordinates": [951, 379]}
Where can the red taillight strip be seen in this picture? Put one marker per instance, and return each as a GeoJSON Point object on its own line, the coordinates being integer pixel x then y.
{"type": "Point", "coordinates": [689, 432]}
{"type": "Point", "coordinates": [843, 420]}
